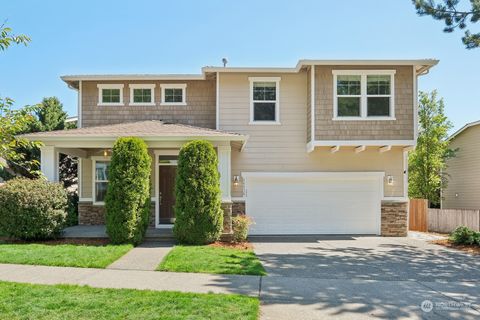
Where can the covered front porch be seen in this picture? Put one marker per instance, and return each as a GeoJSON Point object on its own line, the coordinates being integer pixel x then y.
{"type": "Point", "coordinates": [93, 147]}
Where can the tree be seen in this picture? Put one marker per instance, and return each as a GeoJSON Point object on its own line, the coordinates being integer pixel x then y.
{"type": "Point", "coordinates": [24, 158]}
{"type": "Point", "coordinates": [50, 115]}
{"type": "Point", "coordinates": [198, 213]}
{"type": "Point", "coordinates": [453, 17]}
{"type": "Point", "coordinates": [127, 203]}
{"type": "Point", "coordinates": [12, 122]}
{"type": "Point", "coordinates": [427, 163]}
{"type": "Point", "coordinates": [7, 38]}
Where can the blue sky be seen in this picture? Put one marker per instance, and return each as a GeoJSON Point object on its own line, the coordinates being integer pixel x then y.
{"type": "Point", "coordinates": [83, 37]}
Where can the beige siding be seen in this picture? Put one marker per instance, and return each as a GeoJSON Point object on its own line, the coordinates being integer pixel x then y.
{"type": "Point", "coordinates": [282, 147]}
{"type": "Point", "coordinates": [86, 178]}
{"type": "Point", "coordinates": [399, 129]}
{"type": "Point", "coordinates": [199, 111]}
{"type": "Point", "coordinates": [87, 173]}
{"type": "Point", "coordinates": [309, 106]}
{"type": "Point", "coordinates": [464, 172]}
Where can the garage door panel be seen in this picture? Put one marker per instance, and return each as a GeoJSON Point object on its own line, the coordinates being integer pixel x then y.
{"type": "Point", "coordinates": [309, 206]}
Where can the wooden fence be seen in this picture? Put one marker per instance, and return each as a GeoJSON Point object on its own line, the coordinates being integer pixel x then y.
{"type": "Point", "coordinates": [417, 220]}
{"type": "Point", "coordinates": [446, 220]}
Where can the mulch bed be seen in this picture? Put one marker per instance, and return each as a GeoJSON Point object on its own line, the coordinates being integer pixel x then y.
{"type": "Point", "coordinates": [232, 245]}
{"type": "Point", "coordinates": [467, 248]}
{"type": "Point", "coordinates": [76, 241]}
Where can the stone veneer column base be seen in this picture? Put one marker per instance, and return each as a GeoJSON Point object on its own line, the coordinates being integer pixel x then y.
{"type": "Point", "coordinates": [394, 219]}
{"type": "Point", "coordinates": [238, 208]}
{"type": "Point", "coordinates": [227, 234]}
{"type": "Point", "coordinates": [90, 214]}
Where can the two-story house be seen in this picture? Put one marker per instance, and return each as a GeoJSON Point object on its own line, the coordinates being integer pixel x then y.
{"type": "Point", "coordinates": [319, 148]}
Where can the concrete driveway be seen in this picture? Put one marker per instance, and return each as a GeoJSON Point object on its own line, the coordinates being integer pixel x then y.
{"type": "Point", "coordinates": [356, 277]}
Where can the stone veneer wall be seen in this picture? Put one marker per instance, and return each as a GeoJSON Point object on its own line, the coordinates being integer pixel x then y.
{"type": "Point", "coordinates": [238, 207]}
{"type": "Point", "coordinates": [394, 219]}
{"type": "Point", "coordinates": [89, 214]}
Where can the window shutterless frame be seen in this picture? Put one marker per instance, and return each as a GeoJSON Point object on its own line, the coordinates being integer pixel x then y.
{"type": "Point", "coordinates": [363, 96]}
{"type": "Point", "coordinates": [182, 86]}
{"type": "Point", "coordinates": [142, 86]}
{"type": "Point", "coordinates": [105, 86]}
{"type": "Point", "coordinates": [276, 101]}
{"type": "Point", "coordinates": [94, 177]}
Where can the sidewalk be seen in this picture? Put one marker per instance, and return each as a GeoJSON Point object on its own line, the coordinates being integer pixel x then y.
{"type": "Point", "coordinates": [146, 256]}
{"type": "Point", "coordinates": [132, 279]}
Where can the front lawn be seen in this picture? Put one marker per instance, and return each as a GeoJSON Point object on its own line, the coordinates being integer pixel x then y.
{"type": "Point", "coordinates": [28, 301]}
{"type": "Point", "coordinates": [64, 255]}
{"type": "Point", "coordinates": [209, 259]}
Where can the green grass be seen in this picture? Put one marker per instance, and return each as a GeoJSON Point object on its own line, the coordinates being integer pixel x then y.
{"type": "Point", "coordinates": [44, 302]}
{"type": "Point", "coordinates": [64, 255]}
{"type": "Point", "coordinates": [207, 259]}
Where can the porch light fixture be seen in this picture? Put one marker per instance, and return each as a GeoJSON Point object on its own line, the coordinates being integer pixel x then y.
{"type": "Point", "coordinates": [105, 153]}
{"type": "Point", "coordinates": [236, 180]}
{"type": "Point", "coordinates": [390, 180]}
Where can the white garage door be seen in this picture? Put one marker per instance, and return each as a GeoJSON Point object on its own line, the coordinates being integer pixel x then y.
{"type": "Point", "coordinates": [314, 203]}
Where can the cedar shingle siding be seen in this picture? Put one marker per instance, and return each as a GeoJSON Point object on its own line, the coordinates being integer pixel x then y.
{"type": "Point", "coordinates": [399, 129]}
{"type": "Point", "coordinates": [199, 111]}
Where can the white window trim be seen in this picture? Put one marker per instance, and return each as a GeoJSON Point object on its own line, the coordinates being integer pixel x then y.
{"type": "Point", "coordinates": [94, 188]}
{"type": "Point", "coordinates": [109, 86]}
{"type": "Point", "coordinates": [363, 94]}
{"type": "Point", "coordinates": [142, 86]}
{"type": "Point", "coordinates": [182, 86]}
{"type": "Point", "coordinates": [277, 101]}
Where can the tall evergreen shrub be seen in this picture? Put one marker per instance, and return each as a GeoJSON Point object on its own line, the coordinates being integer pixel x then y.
{"type": "Point", "coordinates": [199, 217]}
{"type": "Point", "coordinates": [127, 202]}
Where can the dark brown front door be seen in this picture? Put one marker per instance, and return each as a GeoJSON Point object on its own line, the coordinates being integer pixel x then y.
{"type": "Point", "coordinates": [167, 193]}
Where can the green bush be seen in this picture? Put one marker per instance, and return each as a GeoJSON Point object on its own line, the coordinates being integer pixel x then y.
{"type": "Point", "coordinates": [240, 226]}
{"type": "Point", "coordinates": [32, 209]}
{"type": "Point", "coordinates": [127, 202]}
{"type": "Point", "coordinates": [465, 235]}
{"type": "Point", "coordinates": [199, 217]}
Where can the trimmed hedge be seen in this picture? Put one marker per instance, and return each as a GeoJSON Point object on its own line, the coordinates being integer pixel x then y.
{"type": "Point", "coordinates": [199, 217]}
{"type": "Point", "coordinates": [127, 203]}
{"type": "Point", "coordinates": [32, 209]}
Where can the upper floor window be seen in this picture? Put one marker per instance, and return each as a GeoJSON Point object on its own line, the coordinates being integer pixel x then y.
{"type": "Point", "coordinates": [264, 100]}
{"type": "Point", "coordinates": [363, 95]}
{"type": "Point", "coordinates": [174, 94]}
{"type": "Point", "coordinates": [110, 94]}
{"type": "Point", "coordinates": [142, 94]}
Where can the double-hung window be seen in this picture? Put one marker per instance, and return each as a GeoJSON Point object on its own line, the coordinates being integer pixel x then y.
{"type": "Point", "coordinates": [110, 94]}
{"type": "Point", "coordinates": [364, 95]}
{"type": "Point", "coordinates": [174, 94]}
{"type": "Point", "coordinates": [142, 94]}
{"type": "Point", "coordinates": [264, 100]}
{"type": "Point", "coordinates": [100, 180]}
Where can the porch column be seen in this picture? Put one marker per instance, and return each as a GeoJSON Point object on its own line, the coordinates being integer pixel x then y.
{"type": "Point", "coordinates": [225, 169]}
{"type": "Point", "coordinates": [49, 162]}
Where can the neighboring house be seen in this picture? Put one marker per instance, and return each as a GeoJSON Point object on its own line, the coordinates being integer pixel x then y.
{"type": "Point", "coordinates": [463, 188]}
{"type": "Point", "coordinates": [319, 148]}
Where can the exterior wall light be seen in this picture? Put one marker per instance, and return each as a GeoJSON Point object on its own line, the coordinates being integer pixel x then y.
{"type": "Point", "coordinates": [390, 180]}
{"type": "Point", "coordinates": [236, 180]}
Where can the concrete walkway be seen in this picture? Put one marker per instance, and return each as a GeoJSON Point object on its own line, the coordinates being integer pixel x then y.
{"type": "Point", "coordinates": [132, 279]}
{"type": "Point", "coordinates": [146, 256]}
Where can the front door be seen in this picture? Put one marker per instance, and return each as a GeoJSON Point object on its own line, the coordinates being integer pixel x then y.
{"type": "Point", "coordinates": [166, 194]}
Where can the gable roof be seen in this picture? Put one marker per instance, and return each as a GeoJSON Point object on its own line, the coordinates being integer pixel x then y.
{"type": "Point", "coordinates": [150, 130]}
{"type": "Point", "coordinates": [465, 127]}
